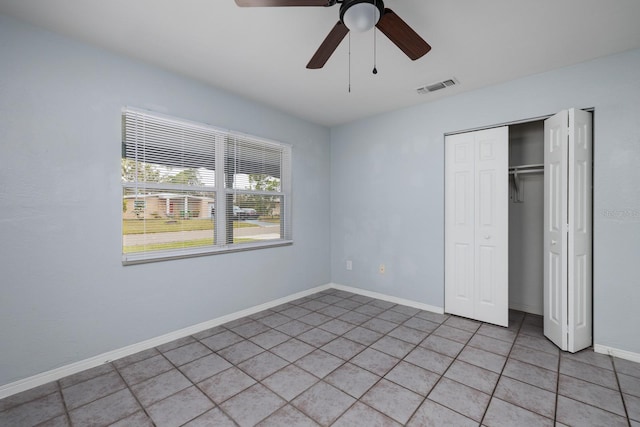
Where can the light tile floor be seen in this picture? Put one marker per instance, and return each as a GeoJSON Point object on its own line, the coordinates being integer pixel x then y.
{"type": "Point", "coordinates": [340, 359]}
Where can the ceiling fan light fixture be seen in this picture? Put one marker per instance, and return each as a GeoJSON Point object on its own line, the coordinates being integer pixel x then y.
{"type": "Point", "coordinates": [361, 15]}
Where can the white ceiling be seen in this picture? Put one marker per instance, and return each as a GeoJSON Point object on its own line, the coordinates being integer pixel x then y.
{"type": "Point", "coordinates": [261, 53]}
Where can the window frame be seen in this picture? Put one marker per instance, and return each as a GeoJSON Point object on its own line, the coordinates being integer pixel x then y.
{"type": "Point", "coordinates": [222, 194]}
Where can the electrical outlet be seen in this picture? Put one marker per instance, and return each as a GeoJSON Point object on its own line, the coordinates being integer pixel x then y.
{"type": "Point", "coordinates": [349, 264]}
{"type": "Point", "coordinates": [381, 269]}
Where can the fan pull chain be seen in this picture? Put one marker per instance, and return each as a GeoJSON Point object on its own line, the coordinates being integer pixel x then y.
{"type": "Point", "coordinates": [349, 61]}
{"type": "Point", "coordinates": [375, 69]}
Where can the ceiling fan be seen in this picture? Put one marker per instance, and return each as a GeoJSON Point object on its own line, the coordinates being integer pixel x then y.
{"type": "Point", "coordinates": [356, 15]}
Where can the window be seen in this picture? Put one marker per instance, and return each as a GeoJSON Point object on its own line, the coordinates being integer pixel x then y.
{"type": "Point", "coordinates": [191, 189]}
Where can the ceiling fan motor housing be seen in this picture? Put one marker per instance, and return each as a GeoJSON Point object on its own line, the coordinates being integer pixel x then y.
{"type": "Point", "coordinates": [362, 20]}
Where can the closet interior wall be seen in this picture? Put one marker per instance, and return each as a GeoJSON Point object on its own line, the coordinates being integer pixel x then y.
{"type": "Point", "coordinates": [526, 231]}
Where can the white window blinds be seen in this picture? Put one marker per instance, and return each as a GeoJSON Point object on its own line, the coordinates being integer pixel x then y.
{"type": "Point", "coordinates": [180, 199]}
{"type": "Point", "coordinates": [163, 141]}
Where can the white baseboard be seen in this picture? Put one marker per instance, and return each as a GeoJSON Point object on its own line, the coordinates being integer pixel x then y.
{"type": "Point", "coordinates": [622, 354]}
{"type": "Point", "coordinates": [73, 368]}
{"type": "Point", "coordinates": [396, 300]}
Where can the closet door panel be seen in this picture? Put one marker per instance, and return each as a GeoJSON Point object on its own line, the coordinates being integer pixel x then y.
{"type": "Point", "coordinates": [555, 270]}
{"type": "Point", "coordinates": [579, 231]}
{"type": "Point", "coordinates": [556, 307]}
{"type": "Point", "coordinates": [459, 224]}
{"type": "Point", "coordinates": [486, 278]}
{"type": "Point", "coordinates": [568, 235]}
{"type": "Point", "coordinates": [491, 226]}
{"type": "Point", "coordinates": [555, 228]}
{"type": "Point", "coordinates": [476, 225]}
{"type": "Point", "coordinates": [463, 274]}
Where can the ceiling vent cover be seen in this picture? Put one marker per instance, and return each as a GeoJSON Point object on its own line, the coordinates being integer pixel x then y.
{"type": "Point", "coordinates": [436, 86]}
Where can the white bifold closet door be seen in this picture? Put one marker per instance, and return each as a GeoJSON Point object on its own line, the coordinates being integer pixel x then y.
{"type": "Point", "coordinates": [476, 225]}
{"type": "Point", "coordinates": [567, 229]}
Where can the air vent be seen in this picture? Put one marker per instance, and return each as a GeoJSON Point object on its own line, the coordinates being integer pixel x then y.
{"type": "Point", "coordinates": [436, 86]}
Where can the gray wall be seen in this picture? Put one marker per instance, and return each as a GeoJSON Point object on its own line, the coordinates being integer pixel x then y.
{"type": "Point", "coordinates": [64, 295]}
{"type": "Point", "coordinates": [388, 180]}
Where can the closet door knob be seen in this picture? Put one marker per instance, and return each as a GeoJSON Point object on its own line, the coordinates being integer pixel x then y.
{"type": "Point", "coordinates": [487, 237]}
{"type": "Point", "coordinates": [553, 242]}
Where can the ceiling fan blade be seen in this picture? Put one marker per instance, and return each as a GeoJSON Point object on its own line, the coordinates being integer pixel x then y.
{"type": "Point", "coordinates": [328, 46]}
{"type": "Point", "coordinates": [269, 3]}
{"type": "Point", "coordinates": [402, 35]}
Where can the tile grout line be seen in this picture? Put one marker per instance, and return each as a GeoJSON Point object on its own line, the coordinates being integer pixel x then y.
{"type": "Point", "coordinates": [576, 399]}
{"type": "Point", "coordinates": [441, 376]}
{"type": "Point", "coordinates": [383, 376]}
{"type": "Point", "coordinates": [322, 380]}
{"type": "Point", "coordinates": [533, 385]}
{"type": "Point", "coordinates": [624, 403]}
{"type": "Point", "coordinates": [64, 403]}
{"type": "Point", "coordinates": [357, 400]}
{"type": "Point", "coordinates": [502, 370]}
{"type": "Point", "coordinates": [126, 387]}
{"type": "Point", "coordinates": [174, 367]}
{"type": "Point", "coordinates": [415, 346]}
{"type": "Point", "coordinates": [426, 397]}
{"type": "Point", "coordinates": [555, 413]}
{"type": "Point", "coordinates": [193, 384]}
{"type": "Point", "coordinates": [271, 328]}
{"type": "Point", "coordinates": [144, 409]}
{"type": "Point", "coordinates": [233, 365]}
{"type": "Point", "coordinates": [592, 366]}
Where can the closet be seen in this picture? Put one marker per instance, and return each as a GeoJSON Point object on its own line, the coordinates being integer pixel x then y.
{"type": "Point", "coordinates": [518, 224]}
{"type": "Point", "coordinates": [526, 213]}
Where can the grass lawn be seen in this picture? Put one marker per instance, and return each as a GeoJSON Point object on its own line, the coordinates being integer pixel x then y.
{"type": "Point", "coordinates": [138, 226]}
{"type": "Point", "coordinates": [178, 245]}
{"type": "Point", "coordinates": [271, 220]}
{"type": "Point", "coordinates": [168, 245]}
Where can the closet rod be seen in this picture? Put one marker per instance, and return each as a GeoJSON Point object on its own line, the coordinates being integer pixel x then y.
{"type": "Point", "coordinates": [520, 167]}
{"type": "Point", "coordinates": [519, 172]}
{"type": "Point", "coordinates": [516, 171]}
